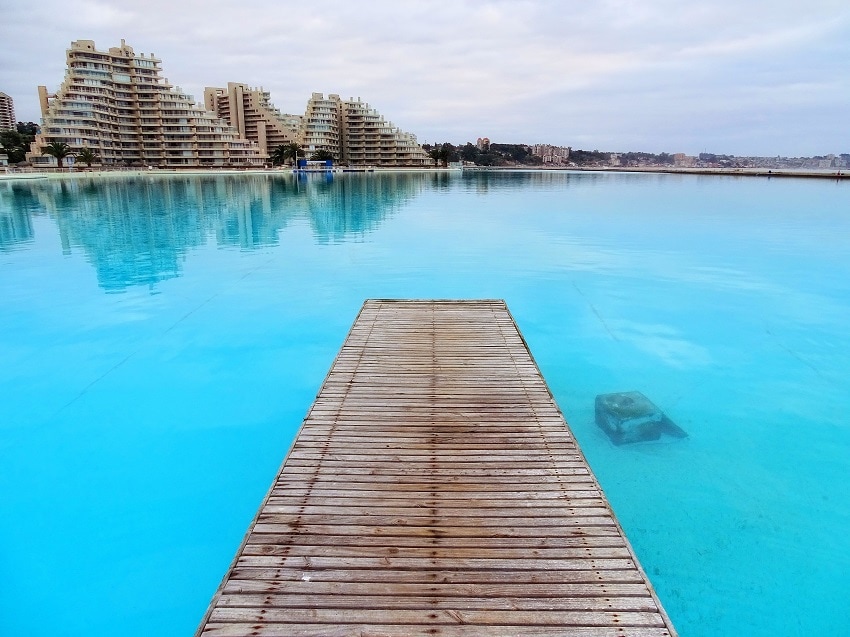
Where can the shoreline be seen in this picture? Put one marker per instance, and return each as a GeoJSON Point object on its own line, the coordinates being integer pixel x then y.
{"type": "Point", "coordinates": [836, 175]}
{"type": "Point", "coordinates": [742, 172]}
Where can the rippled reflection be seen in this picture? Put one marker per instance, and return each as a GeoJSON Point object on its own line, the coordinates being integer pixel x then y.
{"type": "Point", "coordinates": [136, 231]}
{"type": "Point", "coordinates": [17, 205]}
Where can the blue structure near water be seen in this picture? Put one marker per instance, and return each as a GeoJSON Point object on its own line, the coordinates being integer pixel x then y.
{"type": "Point", "coordinates": [314, 166]}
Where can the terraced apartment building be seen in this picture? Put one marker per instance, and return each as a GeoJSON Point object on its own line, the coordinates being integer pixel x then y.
{"type": "Point", "coordinates": [367, 138]}
{"type": "Point", "coordinates": [320, 130]}
{"type": "Point", "coordinates": [118, 104]}
{"type": "Point", "coordinates": [251, 112]}
{"type": "Point", "coordinates": [350, 130]}
{"type": "Point", "coordinates": [355, 133]}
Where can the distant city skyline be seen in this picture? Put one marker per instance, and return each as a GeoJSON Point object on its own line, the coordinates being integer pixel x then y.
{"type": "Point", "coordinates": [763, 78]}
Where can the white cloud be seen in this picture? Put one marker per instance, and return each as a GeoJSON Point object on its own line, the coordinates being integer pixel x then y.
{"type": "Point", "coordinates": [612, 74]}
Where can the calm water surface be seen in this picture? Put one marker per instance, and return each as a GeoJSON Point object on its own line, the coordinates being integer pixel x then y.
{"type": "Point", "coordinates": [161, 339]}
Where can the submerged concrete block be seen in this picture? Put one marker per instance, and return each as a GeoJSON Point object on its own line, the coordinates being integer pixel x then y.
{"type": "Point", "coordinates": [632, 417]}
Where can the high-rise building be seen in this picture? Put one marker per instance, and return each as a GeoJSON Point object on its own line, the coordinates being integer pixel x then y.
{"type": "Point", "coordinates": [367, 138]}
{"type": "Point", "coordinates": [321, 124]}
{"type": "Point", "coordinates": [7, 112]}
{"type": "Point", "coordinates": [250, 111]}
{"type": "Point", "coordinates": [118, 104]}
{"type": "Point", "coordinates": [355, 133]}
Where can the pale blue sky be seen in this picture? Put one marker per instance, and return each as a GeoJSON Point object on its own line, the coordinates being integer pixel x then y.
{"type": "Point", "coordinates": [724, 76]}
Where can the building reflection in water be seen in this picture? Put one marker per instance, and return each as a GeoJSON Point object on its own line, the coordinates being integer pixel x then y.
{"type": "Point", "coordinates": [17, 206]}
{"type": "Point", "coordinates": [138, 230]}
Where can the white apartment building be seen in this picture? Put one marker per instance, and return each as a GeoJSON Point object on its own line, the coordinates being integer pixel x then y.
{"type": "Point", "coordinates": [118, 104]}
{"type": "Point", "coordinates": [7, 112]}
{"type": "Point", "coordinates": [320, 129]}
{"type": "Point", "coordinates": [355, 133]}
{"type": "Point", "coordinates": [367, 138]}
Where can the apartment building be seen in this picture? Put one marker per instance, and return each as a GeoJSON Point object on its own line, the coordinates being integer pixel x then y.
{"type": "Point", "coordinates": [251, 112]}
{"type": "Point", "coordinates": [118, 104]}
{"type": "Point", "coordinates": [367, 138]}
{"type": "Point", "coordinates": [320, 130]}
{"type": "Point", "coordinates": [355, 133]}
{"type": "Point", "coordinates": [7, 112]}
{"type": "Point", "coordinates": [557, 155]}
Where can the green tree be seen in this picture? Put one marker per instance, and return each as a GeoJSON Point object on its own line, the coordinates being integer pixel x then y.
{"type": "Point", "coordinates": [59, 150]}
{"type": "Point", "coordinates": [15, 142]}
{"type": "Point", "coordinates": [285, 153]}
{"type": "Point", "coordinates": [292, 151]}
{"type": "Point", "coordinates": [449, 153]}
{"type": "Point", "coordinates": [512, 152]}
{"type": "Point", "coordinates": [589, 157]}
{"type": "Point", "coordinates": [489, 159]}
{"type": "Point", "coordinates": [277, 156]}
{"type": "Point", "coordinates": [443, 153]}
{"type": "Point", "coordinates": [14, 145]}
{"type": "Point", "coordinates": [27, 128]}
{"type": "Point", "coordinates": [322, 155]}
{"type": "Point", "coordinates": [87, 156]}
{"type": "Point", "coordinates": [469, 152]}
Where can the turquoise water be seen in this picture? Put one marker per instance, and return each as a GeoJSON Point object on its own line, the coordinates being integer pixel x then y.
{"type": "Point", "coordinates": [161, 339]}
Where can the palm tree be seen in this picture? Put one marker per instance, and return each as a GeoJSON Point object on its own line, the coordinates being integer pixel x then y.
{"type": "Point", "coordinates": [292, 150]}
{"type": "Point", "coordinates": [321, 155]}
{"type": "Point", "coordinates": [284, 153]}
{"type": "Point", "coordinates": [278, 155]}
{"type": "Point", "coordinates": [59, 150]}
{"type": "Point", "coordinates": [87, 156]}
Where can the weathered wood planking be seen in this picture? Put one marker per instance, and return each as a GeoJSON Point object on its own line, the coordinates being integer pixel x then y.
{"type": "Point", "coordinates": [435, 489]}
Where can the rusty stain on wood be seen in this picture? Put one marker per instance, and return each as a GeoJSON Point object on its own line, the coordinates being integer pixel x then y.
{"type": "Point", "coordinates": [435, 489]}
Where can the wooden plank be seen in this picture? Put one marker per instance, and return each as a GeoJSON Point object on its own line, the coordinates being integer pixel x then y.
{"type": "Point", "coordinates": [403, 512]}
{"type": "Point", "coordinates": [584, 550]}
{"type": "Point", "coordinates": [435, 489]}
{"type": "Point", "coordinates": [469, 582]}
{"type": "Point", "coordinates": [416, 618]}
{"type": "Point", "coordinates": [387, 597]}
{"type": "Point", "coordinates": [441, 531]}
{"type": "Point", "coordinates": [278, 543]}
{"type": "Point", "coordinates": [541, 498]}
{"type": "Point", "coordinates": [366, 498]}
{"type": "Point", "coordinates": [270, 629]}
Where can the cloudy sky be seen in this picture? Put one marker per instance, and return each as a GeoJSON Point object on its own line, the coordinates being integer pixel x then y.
{"type": "Point", "coordinates": [754, 77]}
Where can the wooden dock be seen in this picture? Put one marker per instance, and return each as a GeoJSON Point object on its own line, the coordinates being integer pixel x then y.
{"type": "Point", "coordinates": [435, 489]}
